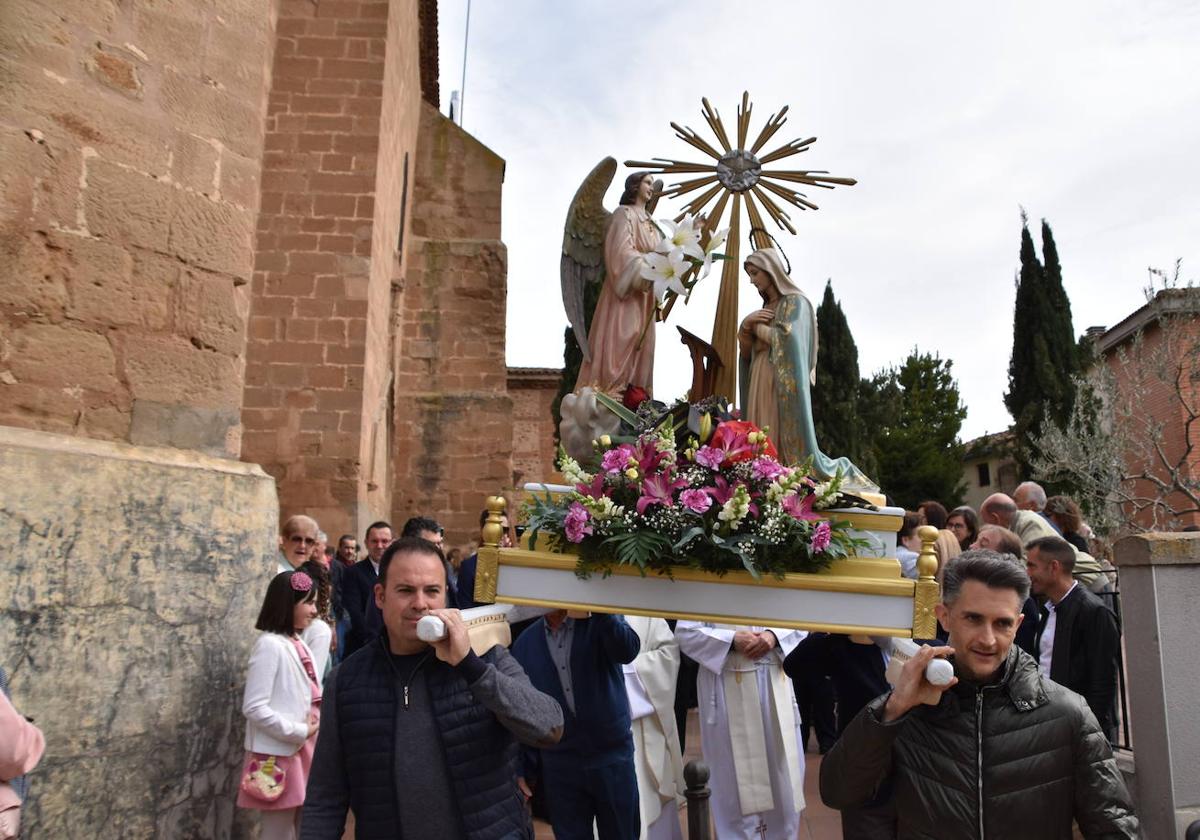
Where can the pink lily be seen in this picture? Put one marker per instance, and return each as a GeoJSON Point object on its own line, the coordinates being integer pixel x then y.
{"type": "Point", "coordinates": [658, 490]}
{"type": "Point", "coordinates": [801, 509]}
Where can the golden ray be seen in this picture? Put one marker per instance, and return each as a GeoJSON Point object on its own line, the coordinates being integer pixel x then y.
{"type": "Point", "coordinates": [694, 206]}
{"type": "Point", "coordinates": [787, 150]}
{"type": "Point", "coordinates": [688, 135]}
{"type": "Point", "coordinates": [815, 178]}
{"type": "Point", "coordinates": [791, 196]}
{"type": "Point", "coordinates": [744, 119]}
{"type": "Point", "coordinates": [668, 166]}
{"type": "Point", "coordinates": [683, 187]}
{"type": "Point", "coordinates": [777, 215]}
{"type": "Point", "coordinates": [772, 125]}
{"type": "Point", "coordinates": [714, 122]}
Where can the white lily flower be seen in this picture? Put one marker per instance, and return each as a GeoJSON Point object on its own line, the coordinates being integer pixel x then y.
{"type": "Point", "coordinates": [717, 240]}
{"type": "Point", "coordinates": [665, 272]}
{"type": "Point", "coordinates": [684, 235]}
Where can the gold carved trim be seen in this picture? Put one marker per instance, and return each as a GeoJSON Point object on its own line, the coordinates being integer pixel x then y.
{"type": "Point", "coordinates": [815, 626]}
{"type": "Point", "coordinates": [928, 591]}
{"type": "Point", "coordinates": [866, 521]}
{"type": "Point", "coordinates": [842, 576]}
{"type": "Point", "coordinates": [486, 574]}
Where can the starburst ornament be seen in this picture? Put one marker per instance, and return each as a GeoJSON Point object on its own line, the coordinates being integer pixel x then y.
{"type": "Point", "coordinates": [741, 172]}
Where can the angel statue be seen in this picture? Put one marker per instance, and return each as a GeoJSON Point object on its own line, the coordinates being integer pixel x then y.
{"type": "Point", "coordinates": [617, 350]}
{"type": "Point", "coordinates": [777, 366]}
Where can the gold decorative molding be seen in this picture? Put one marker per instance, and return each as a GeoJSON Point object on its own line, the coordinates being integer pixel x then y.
{"type": "Point", "coordinates": [928, 590]}
{"type": "Point", "coordinates": [856, 575]}
{"type": "Point", "coordinates": [816, 627]}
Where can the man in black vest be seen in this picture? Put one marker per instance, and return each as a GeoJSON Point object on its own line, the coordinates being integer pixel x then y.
{"type": "Point", "coordinates": [1078, 639]}
{"type": "Point", "coordinates": [419, 739]}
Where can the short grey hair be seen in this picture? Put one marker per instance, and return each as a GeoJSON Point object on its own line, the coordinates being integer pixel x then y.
{"type": "Point", "coordinates": [991, 568]}
{"type": "Point", "coordinates": [1037, 495]}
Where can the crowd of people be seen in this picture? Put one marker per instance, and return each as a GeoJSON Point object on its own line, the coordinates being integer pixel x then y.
{"type": "Point", "coordinates": [583, 718]}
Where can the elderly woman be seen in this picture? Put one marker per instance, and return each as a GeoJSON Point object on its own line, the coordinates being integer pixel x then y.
{"type": "Point", "coordinates": [778, 362]}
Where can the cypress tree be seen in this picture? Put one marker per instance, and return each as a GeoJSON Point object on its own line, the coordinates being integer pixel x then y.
{"type": "Point", "coordinates": [1044, 356]}
{"type": "Point", "coordinates": [835, 395]}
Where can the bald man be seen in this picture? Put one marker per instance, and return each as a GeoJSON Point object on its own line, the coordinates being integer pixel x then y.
{"type": "Point", "coordinates": [1000, 509]}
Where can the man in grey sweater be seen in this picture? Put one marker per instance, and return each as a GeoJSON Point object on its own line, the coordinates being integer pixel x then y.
{"type": "Point", "coordinates": [419, 739]}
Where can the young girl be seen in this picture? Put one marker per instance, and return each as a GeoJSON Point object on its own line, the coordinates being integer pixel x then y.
{"type": "Point", "coordinates": [282, 702]}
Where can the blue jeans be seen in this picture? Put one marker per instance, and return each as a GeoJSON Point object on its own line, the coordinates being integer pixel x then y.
{"type": "Point", "coordinates": [575, 796]}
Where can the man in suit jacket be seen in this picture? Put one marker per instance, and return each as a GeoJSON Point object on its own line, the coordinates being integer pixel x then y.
{"type": "Point", "coordinates": [358, 598]}
{"type": "Point", "coordinates": [1078, 639]}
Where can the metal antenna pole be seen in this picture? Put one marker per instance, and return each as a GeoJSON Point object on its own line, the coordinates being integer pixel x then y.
{"type": "Point", "coordinates": [462, 98]}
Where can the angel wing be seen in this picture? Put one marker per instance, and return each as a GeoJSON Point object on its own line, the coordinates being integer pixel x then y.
{"type": "Point", "coordinates": [583, 245]}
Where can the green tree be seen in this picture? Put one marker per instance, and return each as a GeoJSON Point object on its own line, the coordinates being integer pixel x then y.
{"type": "Point", "coordinates": [835, 395]}
{"type": "Point", "coordinates": [1045, 361]}
{"type": "Point", "coordinates": [914, 414]}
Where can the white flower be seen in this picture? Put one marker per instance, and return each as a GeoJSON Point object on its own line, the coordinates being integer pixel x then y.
{"type": "Point", "coordinates": [665, 272]}
{"type": "Point", "coordinates": [684, 236]}
{"type": "Point", "coordinates": [717, 240]}
{"type": "Point", "coordinates": [572, 472]}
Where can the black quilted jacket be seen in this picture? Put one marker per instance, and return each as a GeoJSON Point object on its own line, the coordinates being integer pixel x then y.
{"type": "Point", "coordinates": [1017, 759]}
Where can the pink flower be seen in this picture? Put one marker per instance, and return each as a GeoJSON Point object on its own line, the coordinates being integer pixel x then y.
{"type": "Point", "coordinates": [595, 490]}
{"type": "Point", "coordinates": [697, 501]}
{"type": "Point", "coordinates": [576, 523]}
{"type": "Point", "coordinates": [801, 509]}
{"type": "Point", "coordinates": [647, 454]}
{"type": "Point", "coordinates": [616, 460]}
{"type": "Point", "coordinates": [767, 469]}
{"type": "Point", "coordinates": [722, 492]}
{"type": "Point", "coordinates": [658, 490]}
{"type": "Point", "coordinates": [820, 538]}
{"type": "Point", "coordinates": [707, 456]}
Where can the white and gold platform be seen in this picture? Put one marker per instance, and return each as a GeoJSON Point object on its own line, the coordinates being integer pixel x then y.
{"type": "Point", "coordinates": [864, 594]}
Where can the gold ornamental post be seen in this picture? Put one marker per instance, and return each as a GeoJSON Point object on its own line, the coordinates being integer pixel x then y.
{"type": "Point", "coordinates": [487, 566]}
{"type": "Point", "coordinates": [928, 592]}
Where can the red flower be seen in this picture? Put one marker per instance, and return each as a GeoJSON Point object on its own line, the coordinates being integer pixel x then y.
{"type": "Point", "coordinates": [732, 438]}
{"type": "Point", "coordinates": [633, 397]}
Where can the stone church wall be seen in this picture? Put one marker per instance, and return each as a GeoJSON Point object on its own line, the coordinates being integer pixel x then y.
{"type": "Point", "coordinates": [131, 140]}
{"type": "Point", "coordinates": [453, 415]}
{"type": "Point", "coordinates": [342, 123]}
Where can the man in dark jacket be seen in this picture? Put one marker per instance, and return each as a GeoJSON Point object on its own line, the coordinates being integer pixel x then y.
{"type": "Point", "coordinates": [589, 776]}
{"type": "Point", "coordinates": [358, 597]}
{"type": "Point", "coordinates": [1078, 639]}
{"type": "Point", "coordinates": [419, 740]}
{"type": "Point", "coordinates": [999, 752]}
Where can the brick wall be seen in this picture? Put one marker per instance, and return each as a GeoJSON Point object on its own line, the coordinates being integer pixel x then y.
{"type": "Point", "coordinates": [1154, 366]}
{"type": "Point", "coordinates": [342, 117]}
{"type": "Point", "coordinates": [453, 415]}
{"type": "Point", "coordinates": [131, 136]}
{"type": "Point", "coordinates": [532, 391]}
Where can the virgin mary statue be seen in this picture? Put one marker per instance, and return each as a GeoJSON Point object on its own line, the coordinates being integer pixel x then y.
{"type": "Point", "coordinates": [778, 365]}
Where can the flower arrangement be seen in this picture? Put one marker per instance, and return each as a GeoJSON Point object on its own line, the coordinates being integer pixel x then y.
{"type": "Point", "coordinates": [693, 486]}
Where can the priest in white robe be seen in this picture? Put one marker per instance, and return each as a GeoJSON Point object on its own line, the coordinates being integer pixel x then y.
{"type": "Point", "coordinates": [749, 727]}
{"type": "Point", "coordinates": [650, 683]}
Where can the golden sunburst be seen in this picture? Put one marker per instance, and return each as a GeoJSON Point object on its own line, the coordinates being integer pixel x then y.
{"type": "Point", "coordinates": [738, 171]}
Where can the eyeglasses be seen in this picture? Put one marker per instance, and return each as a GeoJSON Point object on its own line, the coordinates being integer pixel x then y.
{"type": "Point", "coordinates": [296, 538]}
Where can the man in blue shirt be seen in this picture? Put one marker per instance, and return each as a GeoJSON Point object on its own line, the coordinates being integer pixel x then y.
{"type": "Point", "coordinates": [589, 776]}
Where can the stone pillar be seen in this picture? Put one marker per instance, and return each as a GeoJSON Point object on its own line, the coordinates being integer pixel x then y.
{"type": "Point", "coordinates": [453, 416]}
{"type": "Point", "coordinates": [132, 579]}
{"type": "Point", "coordinates": [1160, 588]}
{"type": "Point", "coordinates": [341, 128]}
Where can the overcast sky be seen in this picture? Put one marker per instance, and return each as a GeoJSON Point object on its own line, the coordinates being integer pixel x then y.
{"type": "Point", "coordinates": [951, 116]}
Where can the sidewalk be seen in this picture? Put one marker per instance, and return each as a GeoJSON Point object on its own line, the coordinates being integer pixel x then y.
{"type": "Point", "coordinates": [816, 823]}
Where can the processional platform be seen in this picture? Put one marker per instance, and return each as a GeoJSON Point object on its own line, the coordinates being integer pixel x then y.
{"type": "Point", "coordinates": [865, 594]}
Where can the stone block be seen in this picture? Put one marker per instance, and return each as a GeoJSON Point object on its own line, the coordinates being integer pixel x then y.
{"type": "Point", "coordinates": [170, 369]}
{"type": "Point", "coordinates": [203, 430]}
{"type": "Point", "coordinates": [212, 310]}
{"type": "Point", "coordinates": [194, 163]}
{"type": "Point", "coordinates": [209, 112]}
{"type": "Point", "coordinates": [117, 624]}
{"type": "Point", "coordinates": [239, 180]}
{"type": "Point", "coordinates": [32, 279]}
{"type": "Point", "coordinates": [127, 207]}
{"type": "Point", "coordinates": [115, 68]}
{"type": "Point", "coordinates": [64, 356]}
{"type": "Point", "coordinates": [214, 235]}
{"type": "Point", "coordinates": [109, 287]}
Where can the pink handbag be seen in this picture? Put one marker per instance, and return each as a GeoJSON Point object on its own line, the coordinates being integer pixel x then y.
{"type": "Point", "coordinates": [10, 817]}
{"type": "Point", "coordinates": [264, 780]}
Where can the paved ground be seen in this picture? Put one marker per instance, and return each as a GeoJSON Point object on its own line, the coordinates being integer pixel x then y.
{"type": "Point", "coordinates": [817, 822]}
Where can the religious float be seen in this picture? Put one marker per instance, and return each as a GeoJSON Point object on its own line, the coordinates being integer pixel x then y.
{"type": "Point", "coordinates": [696, 509]}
